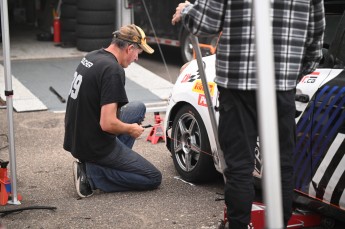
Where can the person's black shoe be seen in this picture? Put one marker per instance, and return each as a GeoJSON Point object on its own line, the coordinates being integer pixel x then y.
{"type": "Point", "coordinates": [81, 183]}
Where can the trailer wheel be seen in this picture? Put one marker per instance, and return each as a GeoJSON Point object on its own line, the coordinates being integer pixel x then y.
{"type": "Point", "coordinates": [186, 47]}
{"type": "Point", "coordinates": [190, 147]}
{"type": "Point", "coordinates": [328, 223]}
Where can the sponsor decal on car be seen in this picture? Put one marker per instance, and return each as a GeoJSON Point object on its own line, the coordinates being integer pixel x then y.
{"type": "Point", "coordinates": [190, 77]}
{"type": "Point", "coordinates": [198, 88]}
{"type": "Point", "coordinates": [311, 78]}
{"type": "Point", "coordinates": [202, 100]}
{"type": "Point", "coordinates": [185, 78]}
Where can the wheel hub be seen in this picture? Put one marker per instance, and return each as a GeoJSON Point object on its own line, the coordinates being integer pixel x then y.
{"type": "Point", "coordinates": [186, 143]}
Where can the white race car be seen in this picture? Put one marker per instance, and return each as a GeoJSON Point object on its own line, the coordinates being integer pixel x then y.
{"type": "Point", "coordinates": [319, 161]}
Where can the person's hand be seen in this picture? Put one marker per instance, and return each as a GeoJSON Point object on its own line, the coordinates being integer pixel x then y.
{"type": "Point", "coordinates": [177, 16]}
{"type": "Point", "coordinates": [136, 130]}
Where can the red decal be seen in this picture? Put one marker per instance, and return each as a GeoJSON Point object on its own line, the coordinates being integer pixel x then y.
{"type": "Point", "coordinates": [202, 100]}
{"type": "Point", "coordinates": [309, 79]}
{"type": "Point", "coordinates": [185, 78]}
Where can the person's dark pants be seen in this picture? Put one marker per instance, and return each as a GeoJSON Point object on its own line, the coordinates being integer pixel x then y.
{"type": "Point", "coordinates": [124, 169]}
{"type": "Point", "coordinates": [238, 131]}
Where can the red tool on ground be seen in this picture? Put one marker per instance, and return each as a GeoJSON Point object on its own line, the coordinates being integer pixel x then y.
{"type": "Point", "coordinates": [5, 184]}
{"type": "Point", "coordinates": [299, 218]}
{"type": "Point", "coordinates": [156, 132]}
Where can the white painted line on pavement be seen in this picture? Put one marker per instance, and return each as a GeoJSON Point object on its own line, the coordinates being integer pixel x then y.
{"type": "Point", "coordinates": [147, 79]}
{"type": "Point", "coordinates": [23, 99]}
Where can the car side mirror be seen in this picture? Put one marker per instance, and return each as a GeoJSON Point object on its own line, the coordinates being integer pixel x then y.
{"type": "Point", "coordinates": [338, 64]}
{"type": "Point", "coordinates": [324, 52]}
{"type": "Point", "coordinates": [327, 61]}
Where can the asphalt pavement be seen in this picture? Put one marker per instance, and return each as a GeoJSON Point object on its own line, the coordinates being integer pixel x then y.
{"type": "Point", "coordinates": [44, 178]}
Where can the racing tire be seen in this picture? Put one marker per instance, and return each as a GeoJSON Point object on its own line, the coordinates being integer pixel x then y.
{"type": "Point", "coordinates": [71, 2]}
{"type": "Point", "coordinates": [96, 5]}
{"type": "Point", "coordinates": [94, 31]}
{"type": "Point", "coordinates": [190, 147]}
{"type": "Point", "coordinates": [87, 45]}
{"type": "Point", "coordinates": [186, 47]}
{"type": "Point", "coordinates": [68, 37]}
{"type": "Point", "coordinates": [68, 24]}
{"type": "Point", "coordinates": [68, 11]}
{"type": "Point", "coordinates": [89, 17]}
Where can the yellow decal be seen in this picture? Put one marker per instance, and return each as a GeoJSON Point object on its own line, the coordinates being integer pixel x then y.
{"type": "Point", "coordinates": [198, 88]}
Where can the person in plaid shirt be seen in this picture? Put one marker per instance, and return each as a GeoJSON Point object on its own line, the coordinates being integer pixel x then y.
{"type": "Point", "coordinates": [297, 30]}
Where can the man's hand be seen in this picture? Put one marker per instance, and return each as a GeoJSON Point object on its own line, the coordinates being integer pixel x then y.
{"type": "Point", "coordinates": [177, 16]}
{"type": "Point", "coordinates": [136, 130]}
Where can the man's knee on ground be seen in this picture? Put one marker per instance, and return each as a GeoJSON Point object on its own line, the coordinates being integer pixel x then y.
{"type": "Point", "coordinates": [156, 180]}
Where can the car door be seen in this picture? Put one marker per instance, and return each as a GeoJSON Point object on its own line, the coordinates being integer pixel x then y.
{"type": "Point", "coordinates": [320, 150]}
{"type": "Point", "coordinates": [327, 145]}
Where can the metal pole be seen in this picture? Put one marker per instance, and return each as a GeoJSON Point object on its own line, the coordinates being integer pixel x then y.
{"type": "Point", "coordinates": [9, 101]}
{"type": "Point", "coordinates": [124, 13]}
{"type": "Point", "coordinates": [268, 123]}
{"type": "Point", "coordinates": [214, 125]}
{"type": "Point", "coordinates": [118, 10]}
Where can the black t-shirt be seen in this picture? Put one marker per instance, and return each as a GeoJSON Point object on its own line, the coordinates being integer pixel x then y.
{"type": "Point", "coordinates": [98, 80]}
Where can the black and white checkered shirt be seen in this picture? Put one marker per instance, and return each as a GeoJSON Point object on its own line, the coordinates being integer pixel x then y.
{"type": "Point", "coordinates": [298, 27]}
